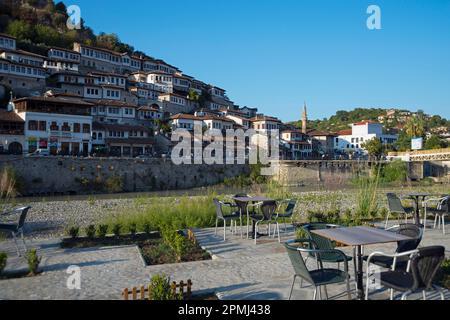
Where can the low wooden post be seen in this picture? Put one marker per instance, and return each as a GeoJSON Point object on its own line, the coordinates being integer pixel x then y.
{"type": "Point", "coordinates": [134, 293]}
{"type": "Point", "coordinates": [182, 288]}
{"type": "Point", "coordinates": [142, 293]}
{"type": "Point", "coordinates": [174, 288]}
{"type": "Point", "coordinates": [189, 288]}
{"type": "Point", "coordinates": [125, 294]}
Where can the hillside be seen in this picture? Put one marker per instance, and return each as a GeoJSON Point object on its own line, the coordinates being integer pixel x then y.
{"type": "Point", "coordinates": [392, 119]}
{"type": "Point", "coordinates": [38, 24]}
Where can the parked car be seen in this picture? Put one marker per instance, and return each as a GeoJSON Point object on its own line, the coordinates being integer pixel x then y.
{"type": "Point", "coordinates": [40, 153]}
{"type": "Point", "coordinates": [144, 156]}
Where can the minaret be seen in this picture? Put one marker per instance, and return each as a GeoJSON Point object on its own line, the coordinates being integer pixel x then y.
{"type": "Point", "coordinates": [304, 120]}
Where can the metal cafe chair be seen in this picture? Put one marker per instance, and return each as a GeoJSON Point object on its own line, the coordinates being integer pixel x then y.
{"type": "Point", "coordinates": [16, 228]}
{"type": "Point", "coordinates": [442, 209]}
{"type": "Point", "coordinates": [225, 218]}
{"type": "Point", "coordinates": [423, 266]}
{"type": "Point", "coordinates": [320, 277]}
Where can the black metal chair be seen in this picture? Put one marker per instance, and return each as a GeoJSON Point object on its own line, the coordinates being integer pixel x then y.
{"type": "Point", "coordinates": [424, 263]}
{"type": "Point", "coordinates": [288, 212]}
{"type": "Point", "coordinates": [396, 207]}
{"type": "Point", "coordinates": [398, 260]}
{"type": "Point", "coordinates": [242, 208]}
{"type": "Point", "coordinates": [268, 209]}
{"type": "Point", "coordinates": [320, 277]}
{"type": "Point", "coordinates": [440, 211]}
{"type": "Point", "coordinates": [230, 217]}
{"type": "Point", "coordinates": [16, 228]}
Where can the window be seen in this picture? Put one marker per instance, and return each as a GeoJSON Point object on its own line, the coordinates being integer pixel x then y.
{"type": "Point", "coordinates": [76, 128]}
{"type": "Point", "coordinates": [86, 128]}
{"type": "Point", "coordinates": [42, 126]}
{"type": "Point", "coordinates": [65, 127]}
{"type": "Point", "coordinates": [54, 126]}
{"type": "Point", "coordinates": [32, 125]}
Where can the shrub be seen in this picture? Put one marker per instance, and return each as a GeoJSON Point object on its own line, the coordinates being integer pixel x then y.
{"type": "Point", "coordinates": [102, 230]}
{"type": "Point", "coordinates": [132, 228]}
{"type": "Point", "coordinates": [174, 240]}
{"type": "Point", "coordinates": [90, 232]}
{"type": "Point", "coordinates": [179, 246]}
{"type": "Point", "coordinates": [33, 261]}
{"type": "Point", "coordinates": [147, 228]}
{"type": "Point", "coordinates": [114, 184]}
{"type": "Point", "coordinates": [160, 289]}
{"type": "Point", "coordinates": [117, 228]}
{"type": "Point", "coordinates": [3, 259]}
{"type": "Point", "coordinates": [395, 171]}
{"type": "Point", "coordinates": [10, 183]}
{"type": "Point", "coordinates": [73, 231]}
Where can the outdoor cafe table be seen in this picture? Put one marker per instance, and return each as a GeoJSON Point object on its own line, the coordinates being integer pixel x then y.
{"type": "Point", "coordinates": [248, 200]}
{"type": "Point", "coordinates": [416, 197]}
{"type": "Point", "coordinates": [358, 237]}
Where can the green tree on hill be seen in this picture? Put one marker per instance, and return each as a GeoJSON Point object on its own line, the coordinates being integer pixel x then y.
{"type": "Point", "coordinates": [373, 147]}
{"type": "Point", "coordinates": [434, 142]}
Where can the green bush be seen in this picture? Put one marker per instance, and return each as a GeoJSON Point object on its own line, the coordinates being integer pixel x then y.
{"type": "Point", "coordinates": [174, 240]}
{"type": "Point", "coordinates": [116, 229]}
{"type": "Point", "coordinates": [395, 171]}
{"type": "Point", "coordinates": [3, 259]}
{"type": "Point", "coordinates": [73, 231]}
{"type": "Point", "coordinates": [160, 289]}
{"type": "Point", "coordinates": [114, 184]}
{"type": "Point", "coordinates": [102, 230]}
{"type": "Point", "coordinates": [33, 261]}
{"type": "Point", "coordinates": [147, 228]}
{"type": "Point", "coordinates": [132, 228]}
{"type": "Point", "coordinates": [90, 232]}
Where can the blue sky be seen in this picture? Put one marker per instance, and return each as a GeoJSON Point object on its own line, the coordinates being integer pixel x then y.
{"type": "Point", "coordinates": [275, 55]}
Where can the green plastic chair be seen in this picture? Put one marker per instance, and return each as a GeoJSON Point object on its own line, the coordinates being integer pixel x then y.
{"type": "Point", "coordinates": [320, 277]}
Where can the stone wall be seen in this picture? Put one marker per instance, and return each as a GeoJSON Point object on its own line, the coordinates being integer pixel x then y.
{"type": "Point", "coordinates": [63, 175]}
{"type": "Point", "coordinates": [297, 173]}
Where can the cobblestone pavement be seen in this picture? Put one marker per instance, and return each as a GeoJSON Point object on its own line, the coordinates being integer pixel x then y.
{"type": "Point", "coordinates": [239, 270]}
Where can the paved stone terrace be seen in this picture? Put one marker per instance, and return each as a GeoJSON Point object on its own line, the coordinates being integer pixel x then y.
{"type": "Point", "coordinates": [239, 270]}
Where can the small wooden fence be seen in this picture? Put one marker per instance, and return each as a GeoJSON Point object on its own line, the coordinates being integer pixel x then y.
{"type": "Point", "coordinates": [143, 293]}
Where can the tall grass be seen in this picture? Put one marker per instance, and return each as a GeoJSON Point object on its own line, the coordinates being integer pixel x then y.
{"type": "Point", "coordinates": [8, 187]}
{"type": "Point", "coordinates": [367, 202]}
{"type": "Point", "coordinates": [176, 213]}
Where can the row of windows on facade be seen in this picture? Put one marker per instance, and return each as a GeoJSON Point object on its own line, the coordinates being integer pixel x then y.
{"type": "Point", "coordinates": [111, 110]}
{"type": "Point", "coordinates": [34, 125]}
{"type": "Point", "coordinates": [109, 57]}
{"type": "Point", "coordinates": [121, 134]}
{"type": "Point", "coordinates": [21, 69]}
{"type": "Point", "coordinates": [63, 54]}
{"type": "Point", "coordinates": [113, 80]}
{"type": "Point", "coordinates": [264, 126]}
{"type": "Point", "coordinates": [60, 64]}
{"type": "Point", "coordinates": [30, 62]}
{"type": "Point", "coordinates": [100, 55]}
{"type": "Point", "coordinates": [7, 43]}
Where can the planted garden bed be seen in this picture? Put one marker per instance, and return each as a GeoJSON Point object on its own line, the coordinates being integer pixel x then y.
{"type": "Point", "coordinates": [154, 249]}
